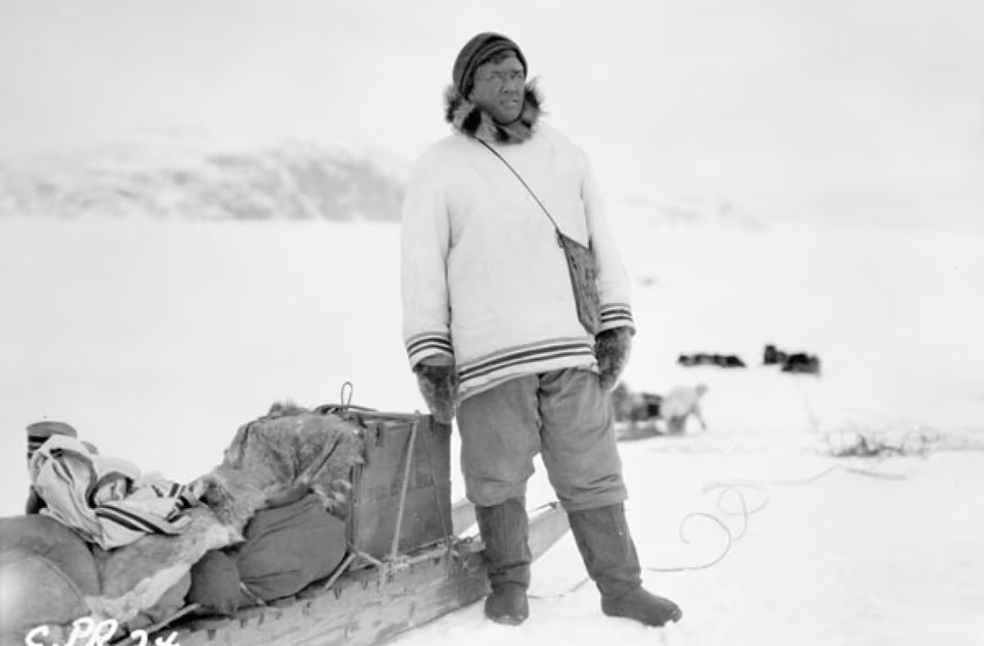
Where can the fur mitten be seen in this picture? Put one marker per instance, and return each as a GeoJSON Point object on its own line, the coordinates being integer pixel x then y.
{"type": "Point", "coordinates": [439, 386]}
{"type": "Point", "coordinates": [612, 347]}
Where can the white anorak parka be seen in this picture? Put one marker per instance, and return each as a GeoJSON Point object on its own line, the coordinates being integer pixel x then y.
{"type": "Point", "coordinates": [484, 280]}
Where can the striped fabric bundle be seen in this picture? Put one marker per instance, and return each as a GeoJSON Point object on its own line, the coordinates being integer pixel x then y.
{"type": "Point", "coordinates": [106, 500]}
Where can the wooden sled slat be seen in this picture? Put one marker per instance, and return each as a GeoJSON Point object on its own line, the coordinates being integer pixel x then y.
{"type": "Point", "coordinates": [551, 524]}
{"type": "Point", "coordinates": [369, 606]}
{"type": "Point", "coordinates": [462, 516]}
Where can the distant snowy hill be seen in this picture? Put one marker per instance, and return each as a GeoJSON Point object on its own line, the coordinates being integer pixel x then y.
{"type": "Point", "coordinates": [290, 181]}
{"type": "Point", "coordinates": [293, 181]}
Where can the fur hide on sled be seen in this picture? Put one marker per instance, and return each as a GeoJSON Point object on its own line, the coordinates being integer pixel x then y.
{"type": "Point", "coordinates": [280, 456]}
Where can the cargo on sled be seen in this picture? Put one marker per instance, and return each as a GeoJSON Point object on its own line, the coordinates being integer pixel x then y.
{"type": "Point", "coordinates": [405, 554]}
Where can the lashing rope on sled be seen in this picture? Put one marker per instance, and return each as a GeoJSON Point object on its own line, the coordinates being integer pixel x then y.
{"type": "Point", "coordinates": [404, 486]}
{"type": "Point", "coordinates": [394, 561]}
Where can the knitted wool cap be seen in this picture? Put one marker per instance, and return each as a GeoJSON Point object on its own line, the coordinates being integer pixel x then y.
{"type": "Point", "coordinates": [477, 51]}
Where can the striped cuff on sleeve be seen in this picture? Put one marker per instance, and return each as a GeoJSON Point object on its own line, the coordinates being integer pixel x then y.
{"type": "Point", "coordinates": [615, 315]}
{"type": "Point", "coordinates": [421, 346]}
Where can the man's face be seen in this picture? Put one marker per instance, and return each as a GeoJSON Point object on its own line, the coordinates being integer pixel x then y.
{"type": "Point", "coordinates": [498, 88]}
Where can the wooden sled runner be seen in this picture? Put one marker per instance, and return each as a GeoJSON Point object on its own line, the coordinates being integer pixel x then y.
{"type": "Point", "coordinates": [371, 605]}
{"type": "Point", "coordinates": [414, 556]}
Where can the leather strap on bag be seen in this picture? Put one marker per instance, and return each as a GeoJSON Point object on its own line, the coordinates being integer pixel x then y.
{"type": "Point", "coordinates": [581, 266]}
{"type": "Point", "coordinates": [527, 187]}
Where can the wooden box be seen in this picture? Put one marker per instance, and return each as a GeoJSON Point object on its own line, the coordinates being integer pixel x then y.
{"type": "Point", "coordinates": [378, 484]}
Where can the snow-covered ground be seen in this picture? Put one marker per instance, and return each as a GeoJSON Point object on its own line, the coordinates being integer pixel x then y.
{"type": "Point", "coordinates": [158, 339]}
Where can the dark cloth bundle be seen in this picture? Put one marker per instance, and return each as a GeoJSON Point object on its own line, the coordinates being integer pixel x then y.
{"type": "Point", "coordinates": [286, 549]}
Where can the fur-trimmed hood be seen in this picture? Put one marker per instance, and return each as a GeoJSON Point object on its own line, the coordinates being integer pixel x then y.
{"type": "Point", "coordinates": [471, 120]}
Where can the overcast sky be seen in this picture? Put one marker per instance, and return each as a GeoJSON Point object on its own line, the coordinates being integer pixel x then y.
{"type": "Point", "coordinates": [805, 108]}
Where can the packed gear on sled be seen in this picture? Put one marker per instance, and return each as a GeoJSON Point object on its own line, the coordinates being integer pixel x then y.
{"type": "Point", "coordinates": [106, 500]}
{"type": "Point", "coordinates": [406, 554]}
{"type": "Point", "coordinates": [286, 549]}
{"type": "Point", "coordinates": [141, 534]}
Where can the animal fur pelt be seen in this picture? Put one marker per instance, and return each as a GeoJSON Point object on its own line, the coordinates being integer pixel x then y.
{"type": "Point", "coordinates": [473, 121]}
{"type": "Point", "coordinates": [282, 456]}
{"type": "Point", "coordinates": [136, 576]}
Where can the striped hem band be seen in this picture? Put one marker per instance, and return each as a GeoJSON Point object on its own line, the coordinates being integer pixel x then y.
{"type": "Point", "coordinates": [509, 360]}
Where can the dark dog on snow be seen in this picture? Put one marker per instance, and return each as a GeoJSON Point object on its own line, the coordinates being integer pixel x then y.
{"type": "Point", "coordinates": [703, 359]}
{"type": "Point", "coordinates": [802, 363]}
{"type": "Point", "coordinates": [796, 362]}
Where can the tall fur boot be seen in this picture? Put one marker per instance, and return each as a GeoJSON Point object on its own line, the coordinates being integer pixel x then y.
{"type": "Point", "coordinates": [505, 532]}
{"type": "Point", "coordinates": [602, 537]}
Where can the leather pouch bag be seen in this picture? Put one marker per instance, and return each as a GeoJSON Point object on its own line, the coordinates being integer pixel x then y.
{"type": "Point", "coordinates": [584, 281]}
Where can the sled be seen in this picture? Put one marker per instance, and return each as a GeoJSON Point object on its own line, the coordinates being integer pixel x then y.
{"type": "Point", "coordinates": [414, 556]}
{"type": "Point", "coordinates": [370, 605]}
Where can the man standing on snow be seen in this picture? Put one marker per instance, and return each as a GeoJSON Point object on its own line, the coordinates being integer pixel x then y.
{"type": "Point", "coordinates": [493, 333]}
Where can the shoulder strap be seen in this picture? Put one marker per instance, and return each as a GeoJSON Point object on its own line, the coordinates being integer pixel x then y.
{"type": "Point", "coordinates": [525, 185]}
